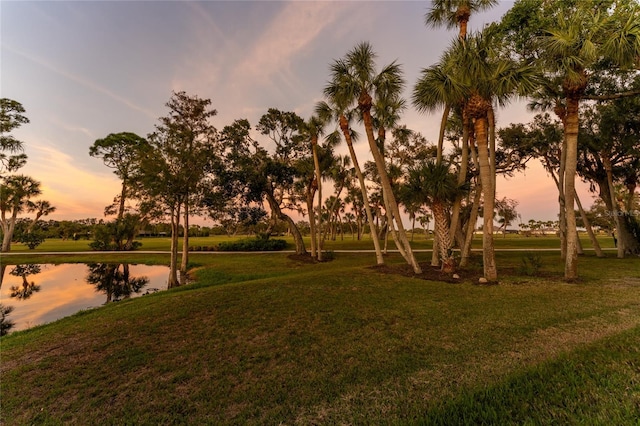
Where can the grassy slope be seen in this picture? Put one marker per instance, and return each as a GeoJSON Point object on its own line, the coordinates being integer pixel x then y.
{"type": "Point", "coordinates": [263, 339]}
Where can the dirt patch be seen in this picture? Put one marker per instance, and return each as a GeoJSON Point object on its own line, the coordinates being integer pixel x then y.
{"type": "Point", "coordinates": [307, 258]}
{"type": "Point", "coordinates": [430, 273]}
{"type": "Point", "coordinates": [433, 273]}
{"type": "Point", "coordinates": [302, 258]}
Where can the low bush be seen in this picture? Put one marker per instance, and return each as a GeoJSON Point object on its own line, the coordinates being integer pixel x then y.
{"type": "Point", "coordinates": [531, 264]}
{"type": "Point", "coordinates": [253, 244]}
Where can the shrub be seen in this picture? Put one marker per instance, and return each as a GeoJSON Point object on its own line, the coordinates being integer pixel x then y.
{"type": "Point", "coordinates": [32, 239]}
{"type": "Point", "coordinates": [253, 244]}
{"type": "Point", "coordinates": [531, 264]}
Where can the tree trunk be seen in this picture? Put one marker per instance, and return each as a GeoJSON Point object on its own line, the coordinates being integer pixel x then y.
{"type": "Point", "coordinates": [365, 198]}
{"type": "Point", "coordinates": [185, 246]}
{"type": "Point", "coordinates": [123, 195]}
{"type": "Point", "coordinates": [435, 259]}
{"type": "Point", "coordinates": [386, 185]}
{"type": "Point", "coordinates": [3, 269]}
{"type": "Point", "coordinates": [316, 166]}
{"type": "Point", "coordinates": [444, 238]}
{"type": "Point", "coordinates": [615, 211]}
{"type": "Point", "coordinates": [462, 177]}
{"type": "Point", "coordinates": [562, 223]}
{"type": "Point", "coordinates": [571, 136]}
{"type": "Point", "coordinates": [8, 228]}
{"type": "Point", "coordinates": [488, 250]}
{"type": "Point", "coordinates": [173, 262]}
{"type": "Point", "coordinates": [443, 127]}
{"type": "Point", "coordinates": [465, 253]}
{"type": "Point", "coordinates": [293, 229]}
{"type": "Point", "coordinates": [312, 219]}
{"type": "Point", "coordinates": [587, 225]}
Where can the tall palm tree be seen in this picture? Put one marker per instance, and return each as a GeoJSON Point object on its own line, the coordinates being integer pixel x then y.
{"type": "Point", "coordinates": [576, 45]}
{"type": "Point", "coordinates": [314, 129]}
{"type": "Point", "coordinates": [337, 108]}
{"type": "Point", "coordinates": [438, 88]}
{"type": "Point", "coordinates": [433, 184]}
{"type": "Point", "coordinates": [455, 13]}
{"type": "Point", "coordinates": [355, 78]}
{"type": "Point", "coordinates": [478, 76]}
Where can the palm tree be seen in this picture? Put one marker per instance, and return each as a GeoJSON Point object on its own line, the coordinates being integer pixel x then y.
{"type": "Point", "coordinates": [576, 45]}
{"type": "Point", "coordinates": [433, 184]}
{"type": "Point", "coordinates": [42, 208]}
{"type": "Point", "coordinates": [480, 77]}
{"type": "Point", "coordinates": [455, 13]}
{"type": "Point", "coordinates": [355, 78]}
{"type": "Point", "coordinates": [438, 88]}
{"type": "Point", "coordinates": [337, 108]}
{"type": "Point", "coordinates": [314, 129]}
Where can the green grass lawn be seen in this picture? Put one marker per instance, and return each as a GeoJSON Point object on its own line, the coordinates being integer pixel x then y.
{"type": "Point", "coordinates": [265, 339]}
{"type": "Point", "coordinates": [419, 242]}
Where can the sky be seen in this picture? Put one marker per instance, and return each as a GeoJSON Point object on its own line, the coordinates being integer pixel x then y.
{"type": "Point", "coordinates": [85, 69]}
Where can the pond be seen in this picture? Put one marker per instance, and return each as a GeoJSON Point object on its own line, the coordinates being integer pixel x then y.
{"type": "Point", "coordinates": [44, 293]}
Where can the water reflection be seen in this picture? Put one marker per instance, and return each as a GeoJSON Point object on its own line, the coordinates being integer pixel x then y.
{"type": "Point", "coordinates": [115, 280]}
{"type": "Point", "coordinates": [62, 290]}
{"type": "Point", "coordinates": [24, 291]}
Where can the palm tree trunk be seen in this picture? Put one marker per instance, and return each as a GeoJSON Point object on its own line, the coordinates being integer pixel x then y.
{"type": "Point", "coordinates": [562, 217]}
{"type": "Point", "coordinates": [443, 127]}
{"type": "Point", "coordinates": [435, 259]}
{"type": "Point", "coordinates": [444, 239]}
{"type": "Point", "coordinates": [587, 225]}
{"type": "Point", "coordinates": [571, 136]}
{"type": "Point", "coordinates": [491, 118]}
{"type": "Point", "coordinates": [488, 250]}
{"type": "Point", "coordinates": [606, 161]}
{"type": "Point", "coordinates": [316, 166]}
{"type": "Point", "coordinates": [312, 218]}
{"type": "Point", "coordinates": [462, 177]}
{"type": "Point", "coordinates": [386, 187]}
{"type": "Point", "coordinates": [365, 198]}
{"type": "Point", "coordinates": [465, 253]}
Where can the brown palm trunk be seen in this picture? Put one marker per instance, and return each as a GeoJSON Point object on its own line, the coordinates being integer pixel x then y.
{"type": "Point", "coordinates": [312, 218]}
{"type": "Point", "coordinates": [587, 225]}
{"type": "Point", "coordinates": [606, 161]}
{"type": "Point", "coordinates": [365, 198]}
{"type": "Point", "coordinates": [316, 166]}
{"type": "Point", "coordinates": [403, 243]}
{"type": "Point", "coordinates": [465, 253]}
{"type": "Point", "coordinates": [443, 127]}
{"type": "Point", "coordinates": [444, 239]}
{"type": "Point", "coordinates": [462, 177]}
{"type": "Point", "coordinates": [488, 250]}
{"type": "Point", "coordinates": [571, 136]}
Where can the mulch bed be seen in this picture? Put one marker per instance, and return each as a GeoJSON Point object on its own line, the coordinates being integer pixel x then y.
{"type": "Point", "coordinates": [431, 273]}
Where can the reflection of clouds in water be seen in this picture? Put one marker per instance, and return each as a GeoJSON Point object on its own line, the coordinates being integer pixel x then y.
{"type": "Point", "coordinates": [64, 291]}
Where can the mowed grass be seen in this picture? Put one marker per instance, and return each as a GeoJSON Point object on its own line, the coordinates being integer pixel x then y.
{"type": "Point", "coordinates": [265, 339]}
{"type": "Point", "coordinates": [348, 242]}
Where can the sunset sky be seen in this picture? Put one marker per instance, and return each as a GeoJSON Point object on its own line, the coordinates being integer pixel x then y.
{"type": "Point", "coordinates": [86, 69]}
